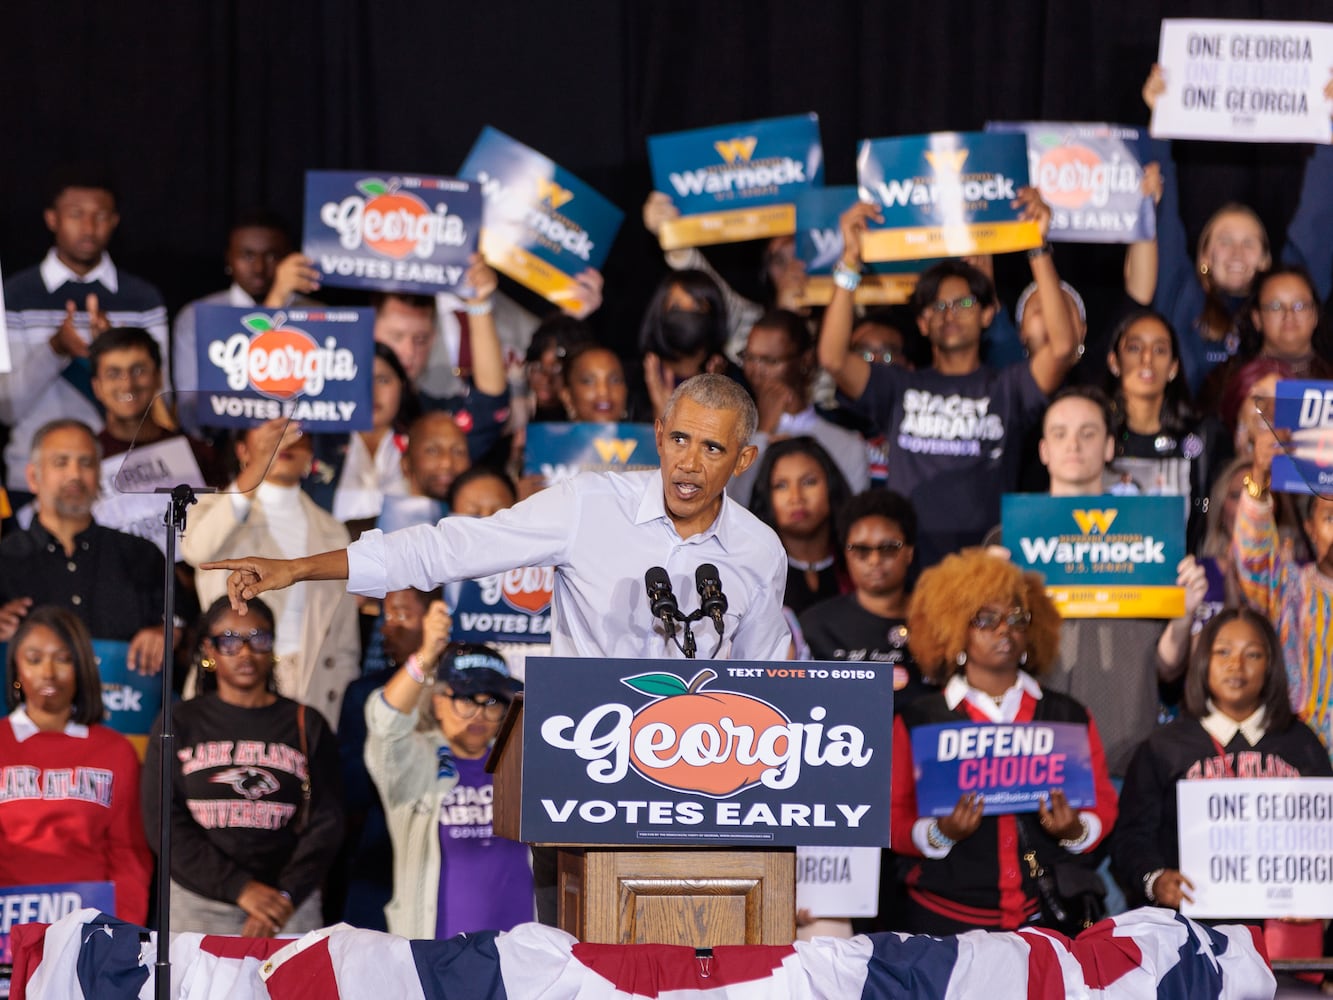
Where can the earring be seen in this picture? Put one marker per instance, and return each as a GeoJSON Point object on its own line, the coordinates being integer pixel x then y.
{"type": "Point", "coordinates": [1023, 658]}
{"type": "Point", "coordinates": [208, 664]}
{"type": "Point", "coordinates": [961, 658]}
{"type": "Point", "coordinates": [1203, 270]}
{"type": "Point", "coordinates": [1115, 370]}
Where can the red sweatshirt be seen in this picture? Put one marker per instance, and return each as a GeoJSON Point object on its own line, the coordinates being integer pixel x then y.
{"type": "Point", "coordinates": [69, 811]}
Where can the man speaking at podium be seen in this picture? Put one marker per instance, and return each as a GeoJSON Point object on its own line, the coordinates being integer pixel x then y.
{"type": "Point", "coordinates": [601, 532]}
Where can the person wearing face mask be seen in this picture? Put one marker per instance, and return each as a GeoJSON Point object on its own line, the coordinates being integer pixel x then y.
{"type": "Point", "coordinates": [1203, 298]}
{"type": "Point", "coordinates": [684, 333]}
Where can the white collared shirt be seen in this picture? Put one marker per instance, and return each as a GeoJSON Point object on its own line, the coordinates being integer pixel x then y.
{"type": "Point", "coordinates": [24, 727]}
{"type": "Point", "coordinates": [601, 532]}
{"type": "Point", "coordinates": [1223, 728]}
{"type": "Point", "coordinates": [54, 273]}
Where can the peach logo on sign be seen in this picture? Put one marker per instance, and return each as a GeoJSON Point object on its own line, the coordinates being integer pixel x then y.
{"type": "Point", "coordinates": [280, 361]}
{"type": "Point", "coordinates": [391, 222]}
{"type": "Point", "coordinates": [1071, 176]}
{"type": "Point", "coordinates": [710, 742]}
{"type": "Point", "coordinates": [527, 590]}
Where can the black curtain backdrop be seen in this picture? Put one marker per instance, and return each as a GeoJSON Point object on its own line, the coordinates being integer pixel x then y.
{"type": "Point", "coordinates": [203, 109]}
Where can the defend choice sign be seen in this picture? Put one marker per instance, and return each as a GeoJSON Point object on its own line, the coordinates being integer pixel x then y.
{"type": "Point", "coordinates": [1244, 81]}
{"type": "Point", "coordinates": [1013, 766]}
{"type": "Point", "coordinates": [736, 182]}
{"type": "Point", "coordinates": [1102, 556]}
{"type": "Point", "coordinates": [542, 225]}
{"type": "Point", "coordinates": [1257, 847]}
{"type": "Point", "coordinates": [643, 752]}
{"type": "Point", "coordinates": [310, 365]}
{"type": "Point", "coordinates": [1306, 463]}
{"type": "Point", "coordinates": [946, 194]}
{"type": "Point", "coordinates": [402, 233]}
{"type": "Point", "coordinates": [45, 904]}
{"type": "Point", "coordinates": [1091, 176]}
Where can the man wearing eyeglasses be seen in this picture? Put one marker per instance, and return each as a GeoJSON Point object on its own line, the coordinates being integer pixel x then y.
{"type": "Point", "coordinates": [955, 429]}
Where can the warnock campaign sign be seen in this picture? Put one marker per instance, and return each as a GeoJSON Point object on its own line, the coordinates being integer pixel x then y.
{"type": "Point", "coordinates": [649, 752]}
{"type": "Point", "coordinates": [1257, 846]}
{"type": "Point", "coordinates": [561, 451]}
{"type": "Point", "coordinates": [514, 606]}
{"type": "Point", "coordinates": [1244, 81]}
{"type": "Point", "coordinates": [945, 194]}
{"type": "Point", "coordinates": [1091, 175]}
{"type": "Point", "coordinates": [819, 247]}
{"type": "Point", "coordinates": [1102, 556]}
{"type": "Point", "coordinates": [1013, 766]}
{"type": "Point", "coordinates": [736, 182]}
{"type": "Point", "coordinates": [127, 501]}
{"type": "Point", "coordinates": [45, 904]}
{"type": "Point", "coordinates": [312, 365]}
{"type": "Point", "coordinates": [1305, 409]}
{"type": "Point", "coordinates": [541, 224]}
{"type": "Point", "coordinates": [401, 232]}
{"type": "Point", "coordinates": [131, 700]}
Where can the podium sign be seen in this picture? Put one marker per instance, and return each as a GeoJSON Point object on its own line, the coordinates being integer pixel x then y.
{"type": "Point", "coordinates": [656, 752]}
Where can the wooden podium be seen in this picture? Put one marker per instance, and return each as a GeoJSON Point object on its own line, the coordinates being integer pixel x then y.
{"type": "Point", "coordinates": [695, 896]}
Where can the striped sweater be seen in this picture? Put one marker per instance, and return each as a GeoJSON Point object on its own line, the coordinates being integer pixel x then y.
{"type": "Point", "coordinates": [38, 388]}
{"type": "Point", "coordinates": [1298, 600]}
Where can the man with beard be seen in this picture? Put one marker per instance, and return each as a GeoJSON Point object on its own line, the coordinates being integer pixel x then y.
{"type": "Point", "coordinates": [111, 580]}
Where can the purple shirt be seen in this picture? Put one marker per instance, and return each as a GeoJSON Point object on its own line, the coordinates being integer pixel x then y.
{"type": "Point", "coordinates": [485, 881]}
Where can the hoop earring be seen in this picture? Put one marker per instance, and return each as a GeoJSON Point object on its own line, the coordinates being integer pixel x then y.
{"type": "Point", "coordinates": [1203, 270]}
{"type": "Point", "coordinates": [208, 664]}
{"type": "Point", "coordinates": [961, 658]}
{"type": "Point", "coordinates": [1023, 658]}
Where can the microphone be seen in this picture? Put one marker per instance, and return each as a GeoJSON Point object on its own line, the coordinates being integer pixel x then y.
{"type": "Point", "coordinates": [661, 601]}
{"type": "Point", "coordinates": [712, 602]}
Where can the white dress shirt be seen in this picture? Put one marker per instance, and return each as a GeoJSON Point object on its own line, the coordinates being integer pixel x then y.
{"type": "Point", "coordinates": [601, 532]}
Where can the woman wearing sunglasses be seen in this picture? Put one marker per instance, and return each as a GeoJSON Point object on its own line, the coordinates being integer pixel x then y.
{"type": "Point", "coordinates": [256, 812]}
{"type": "Point", "coordinates": [983, 629]}
{"type": "Point", "coordinates": [428, 733]}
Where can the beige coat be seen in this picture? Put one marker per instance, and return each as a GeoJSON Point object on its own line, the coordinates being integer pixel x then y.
{"type": "Point", "coordinates": [330, 656]}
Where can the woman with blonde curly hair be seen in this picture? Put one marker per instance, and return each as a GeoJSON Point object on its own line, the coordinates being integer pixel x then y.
{"type": "Point", "coordinates": [982, 628]}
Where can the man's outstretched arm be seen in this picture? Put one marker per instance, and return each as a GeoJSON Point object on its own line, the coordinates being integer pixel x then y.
{"type": "Point", "coordinates": [252, 576]}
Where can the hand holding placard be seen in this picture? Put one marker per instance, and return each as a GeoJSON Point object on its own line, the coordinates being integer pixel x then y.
{"type": "Point", "coordinates": [965, 818]}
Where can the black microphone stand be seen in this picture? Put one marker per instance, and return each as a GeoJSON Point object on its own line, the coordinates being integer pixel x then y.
{"type": "Point", "coordinates": [182, 497]}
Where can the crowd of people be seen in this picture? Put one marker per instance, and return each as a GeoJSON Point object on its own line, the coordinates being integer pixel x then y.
{"type": "Point", "coordinates": [330, 747]}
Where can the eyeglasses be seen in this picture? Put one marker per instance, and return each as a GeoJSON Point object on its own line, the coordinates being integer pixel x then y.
{"type": "Point", "coordinates": [492, 709]}
{"type": "Point", "coordinates": [135, 373]}
{"type": "Point", "coordinates": [229, 643]}
{"type": "Point", "coordinates": [955, 305]}
{"type": "Point", "coordinates": [870, 357]}
{"type": "Point", "coordinates": [765, 360]}
{"type": "Point", "coordinates": [988, 621]}
{"type": "Point", "coordinates": [1296, 308]}
{"type": "Point", "coordinates": [885, 550]}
